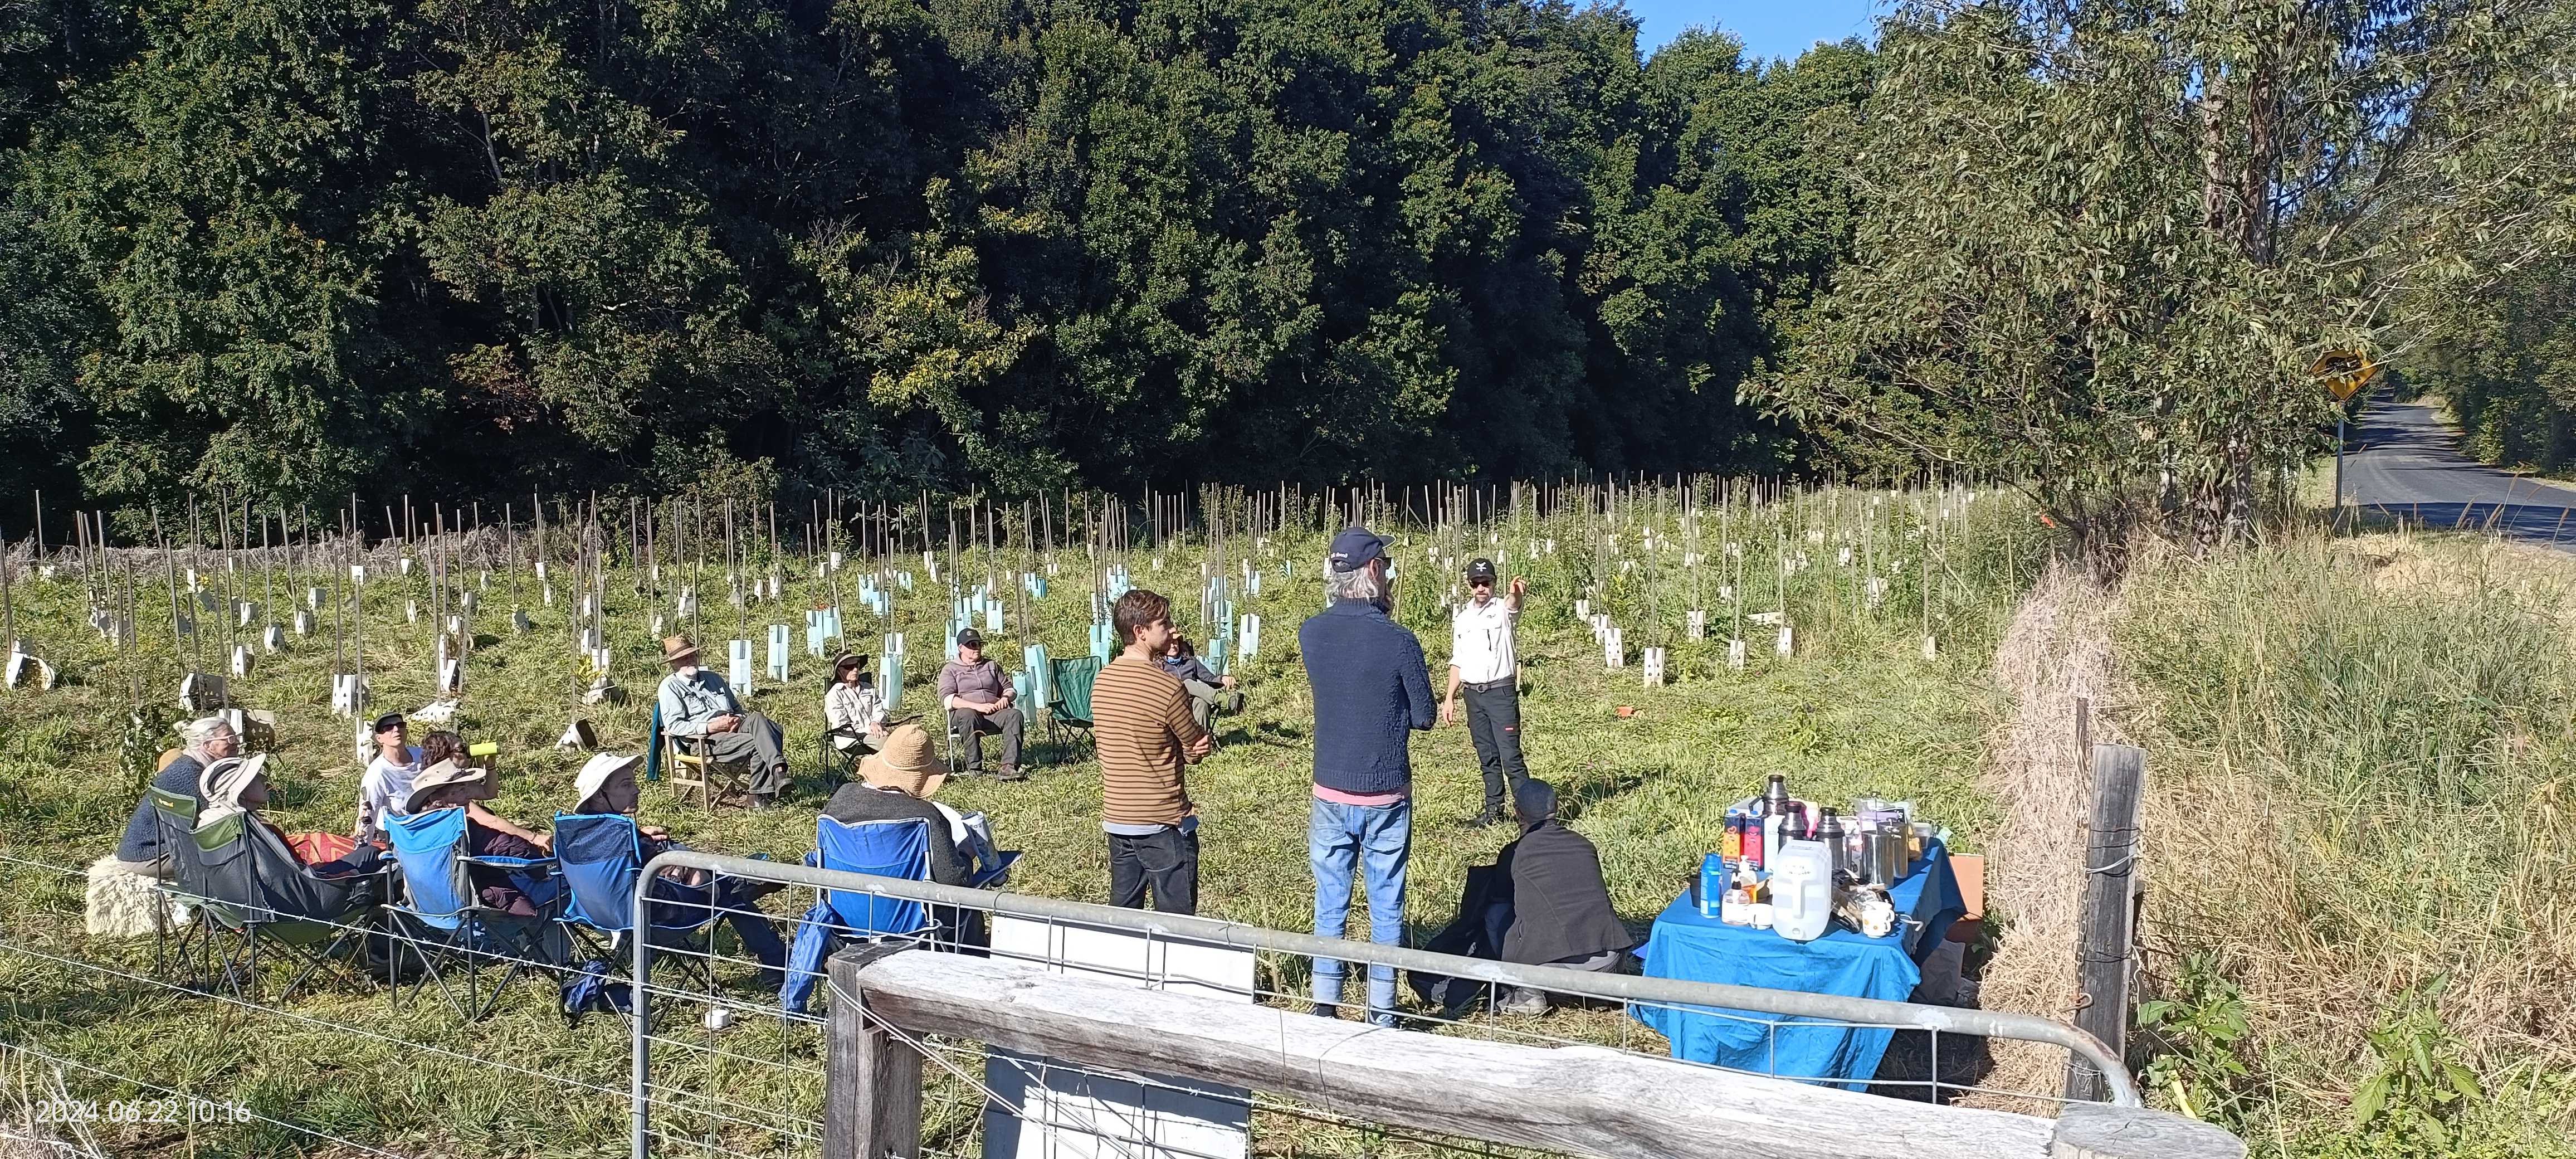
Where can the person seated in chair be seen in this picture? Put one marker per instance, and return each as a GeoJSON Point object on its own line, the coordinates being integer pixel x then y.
{"type": "Point", "coordinates": [447, 747]}
{"type": "Point", "coordinates": [238, 786]}
{"type": "Point", "coordinates": [607, 785]}
{"type": "Point", "coordinates": [207, 740]}
{"type": "Point", "coordinates": [853, 713]}
{"type": "Point", "coordinates": [896, 785]}
{"type": "Point", "coordinates": [387, 782]}
{"type": "Point", "coordinates": [978, 695]}
{"type": "Point", "coordinates": [1206, 688]}
{"type": "Point", "coordinates": [699, 708]}
{"type": "Point", "coordinates": [1549, 906]}
{"type": "Point", "coordinates": [448, 784]}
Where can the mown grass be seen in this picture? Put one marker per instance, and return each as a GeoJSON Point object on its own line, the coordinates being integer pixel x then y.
{"type": "Point", "coordinates": [1858, 710]}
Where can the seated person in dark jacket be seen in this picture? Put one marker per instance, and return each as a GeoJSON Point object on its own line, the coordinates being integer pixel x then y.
{"type": "Point", "coordinates": [1549, 906]}
{"type": "Point", "coordinates": [448, 784]}
{"type": "Point", "coordinates": [207, 741]}
{"type": "Point", "coordinates": [896, 785]}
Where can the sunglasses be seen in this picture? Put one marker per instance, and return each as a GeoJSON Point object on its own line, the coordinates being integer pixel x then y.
{"type": "Point", "coordinates": [1480, 582]}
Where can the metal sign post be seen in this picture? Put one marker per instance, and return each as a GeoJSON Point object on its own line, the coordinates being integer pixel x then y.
{"type": "Point", "coordinates": [2345, 372]}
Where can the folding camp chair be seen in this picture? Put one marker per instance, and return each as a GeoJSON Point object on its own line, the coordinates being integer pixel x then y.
{"type": "Point", "coordinates": [598, 857]}
{"type": "Point", "coordinates": [181, 941]}
{"type": "Point", "coordinates": [1070, 681]}
{"type": "Point", "coordinates": [692, 772]}
{"type": "Point", "coordinates": [443, 927]}
{"type": "Point", "coordinates": [898, 849]}
{"type": "Point", "coordinates": [258, 899]}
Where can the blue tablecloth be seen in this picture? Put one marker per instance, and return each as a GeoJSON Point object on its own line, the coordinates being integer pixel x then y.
{"type": "Point", "coordinates": [1687, 946]}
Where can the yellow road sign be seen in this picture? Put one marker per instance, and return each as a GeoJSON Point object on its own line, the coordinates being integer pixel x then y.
{"type": "Point", "coordinates": [2345, 372]}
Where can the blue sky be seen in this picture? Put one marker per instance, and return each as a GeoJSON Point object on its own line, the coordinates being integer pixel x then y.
{"type": "Point", "coordinates": [1775, 29]}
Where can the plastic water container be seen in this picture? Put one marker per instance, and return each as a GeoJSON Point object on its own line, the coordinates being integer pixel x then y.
{"type": "Point", "coordinates": [1802, 891]}
{"type": "Point", "coordinates": [1712, 884]}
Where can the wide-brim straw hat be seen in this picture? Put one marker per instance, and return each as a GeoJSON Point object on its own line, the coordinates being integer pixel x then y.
{"type": "Point", "coordinates": [677, 648]}
{"type": "Point", "coordinates": [440, 776]}
{"type": "Point", "coordinates": [595, 773]}
{"type": "Point", "coordinates": [905, 764]}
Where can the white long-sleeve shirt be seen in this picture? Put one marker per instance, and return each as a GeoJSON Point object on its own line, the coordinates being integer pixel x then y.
{"type": "Point", "coordinates": [1480, 641]}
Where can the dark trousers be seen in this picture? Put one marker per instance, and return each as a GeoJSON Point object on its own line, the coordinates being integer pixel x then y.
{"type": "Point", "coordinates": [1167, 861]}
{"type": "Point", "coordinates": [1494, 721]}
{"type": "Point", "coordinates": [755, 742]}
{"type": "Point", "coordinates": [969, 726]}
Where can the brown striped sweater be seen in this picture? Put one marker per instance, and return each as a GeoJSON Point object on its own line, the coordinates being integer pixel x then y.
{"type": "Point", "coordinates": [1141, 720]}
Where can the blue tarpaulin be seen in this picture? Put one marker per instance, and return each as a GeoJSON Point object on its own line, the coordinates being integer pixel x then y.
{"type": "Point", "coordinates": [1693, 948]}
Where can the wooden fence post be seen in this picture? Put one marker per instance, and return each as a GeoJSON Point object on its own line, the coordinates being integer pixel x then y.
{"type": "Point", "coordinates": [2106, 936]}
{"type": "Point", "coordinates": [871, 1081]}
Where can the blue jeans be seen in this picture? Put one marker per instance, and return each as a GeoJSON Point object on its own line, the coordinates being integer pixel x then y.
{"type": "Point", "coordinates": [1377, 840]}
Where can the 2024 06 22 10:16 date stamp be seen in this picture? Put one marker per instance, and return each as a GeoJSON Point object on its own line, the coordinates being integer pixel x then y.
{"type": "Point", "coordinates": [140, 1111]}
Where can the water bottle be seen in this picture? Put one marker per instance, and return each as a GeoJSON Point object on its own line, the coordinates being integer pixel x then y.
{"type": "Point", "coordinates": [1712, 884]}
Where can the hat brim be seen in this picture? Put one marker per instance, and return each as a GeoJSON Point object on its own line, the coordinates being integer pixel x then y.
{"type": "Point", "coordinates": [682, 654]}
{"type": "Point", "coordinates": [878, 772]}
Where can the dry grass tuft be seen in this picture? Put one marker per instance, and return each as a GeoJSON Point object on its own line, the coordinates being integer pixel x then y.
{"type": "Point", "coordinates": [2057, 649]}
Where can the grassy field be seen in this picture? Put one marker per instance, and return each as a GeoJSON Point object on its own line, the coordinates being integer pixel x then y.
{"type": "Point", "coordinates": [1857, 710]}
{"type": "Point", "coordinates": [2362, 752]}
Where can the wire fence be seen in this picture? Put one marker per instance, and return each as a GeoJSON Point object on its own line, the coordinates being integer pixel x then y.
{"type": "Point", "coordinates": [720, 1066]}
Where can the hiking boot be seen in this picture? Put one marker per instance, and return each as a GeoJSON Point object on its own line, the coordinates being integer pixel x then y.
{"type": "Point", "coordinates": [1492, 815]}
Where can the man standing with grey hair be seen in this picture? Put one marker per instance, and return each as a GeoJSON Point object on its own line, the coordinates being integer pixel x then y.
{"type": "Point", "coordinates": [1371, 688]}
{"type": "Point", "coordinates": [207, 740]}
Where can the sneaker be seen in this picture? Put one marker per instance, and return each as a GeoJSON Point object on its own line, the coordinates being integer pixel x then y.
{"type": "Point", "coordinates": [1383, 1020]}
{"type": "Point", "coordinates": [1326, 1010]}
{"type": "Point", "coordinates": [1519, 1000]}
{"type": "Point", "coordinates": [1012, 773]}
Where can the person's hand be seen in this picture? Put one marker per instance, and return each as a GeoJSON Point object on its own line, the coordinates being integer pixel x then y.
{"type": "Point", "coordinates": [876, 728]}
{"type": "Point", "coordinates": [1519, 586]}
{"type": "Point", "coordinates": [726, 723]}
{"type": "Point", "coordinates": [545, 842]}
{"type": "Point", "coordinates": [1201, 747]}
{"type": "Point", "coordinates": [655, 832]}
{"type": "Point", "coordinates": [1228, 682]}
{"type": "Point", "coordinates": [1449, 711]}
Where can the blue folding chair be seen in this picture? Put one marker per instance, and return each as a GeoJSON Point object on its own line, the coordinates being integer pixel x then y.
{"type": "Point", "coordinates": [599, 856]}
{"type": "Point", "coordinates": [898, 849]}
{"type": "Point", "coordinates": [442, 922]}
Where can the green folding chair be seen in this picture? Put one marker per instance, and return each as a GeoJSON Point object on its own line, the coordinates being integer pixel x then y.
{"type": "Point", "coordinates": [1070, 710]}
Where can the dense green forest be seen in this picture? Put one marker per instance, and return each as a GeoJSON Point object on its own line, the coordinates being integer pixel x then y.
{"type": "Point", "coordinates": [287, 248]}
{"type": "Point", "coordinates": [284, 250]}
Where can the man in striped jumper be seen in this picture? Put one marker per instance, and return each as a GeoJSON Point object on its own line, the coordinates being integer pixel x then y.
{"type": "Point", "coordinates": [1142, 724]}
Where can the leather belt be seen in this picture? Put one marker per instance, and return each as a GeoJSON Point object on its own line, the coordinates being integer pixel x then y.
{"type": "Point", "coordinates": [1490, 685]}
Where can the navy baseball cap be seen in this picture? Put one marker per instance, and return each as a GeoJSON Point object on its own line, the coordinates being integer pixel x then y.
{"type": "Point", "coordinates": [1354, 547]}
{"type": "Point", "coordinates": [970, 638]}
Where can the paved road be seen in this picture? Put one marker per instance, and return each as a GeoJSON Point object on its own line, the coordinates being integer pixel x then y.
{"type": "Point", "coordinates": [2403, 463]}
